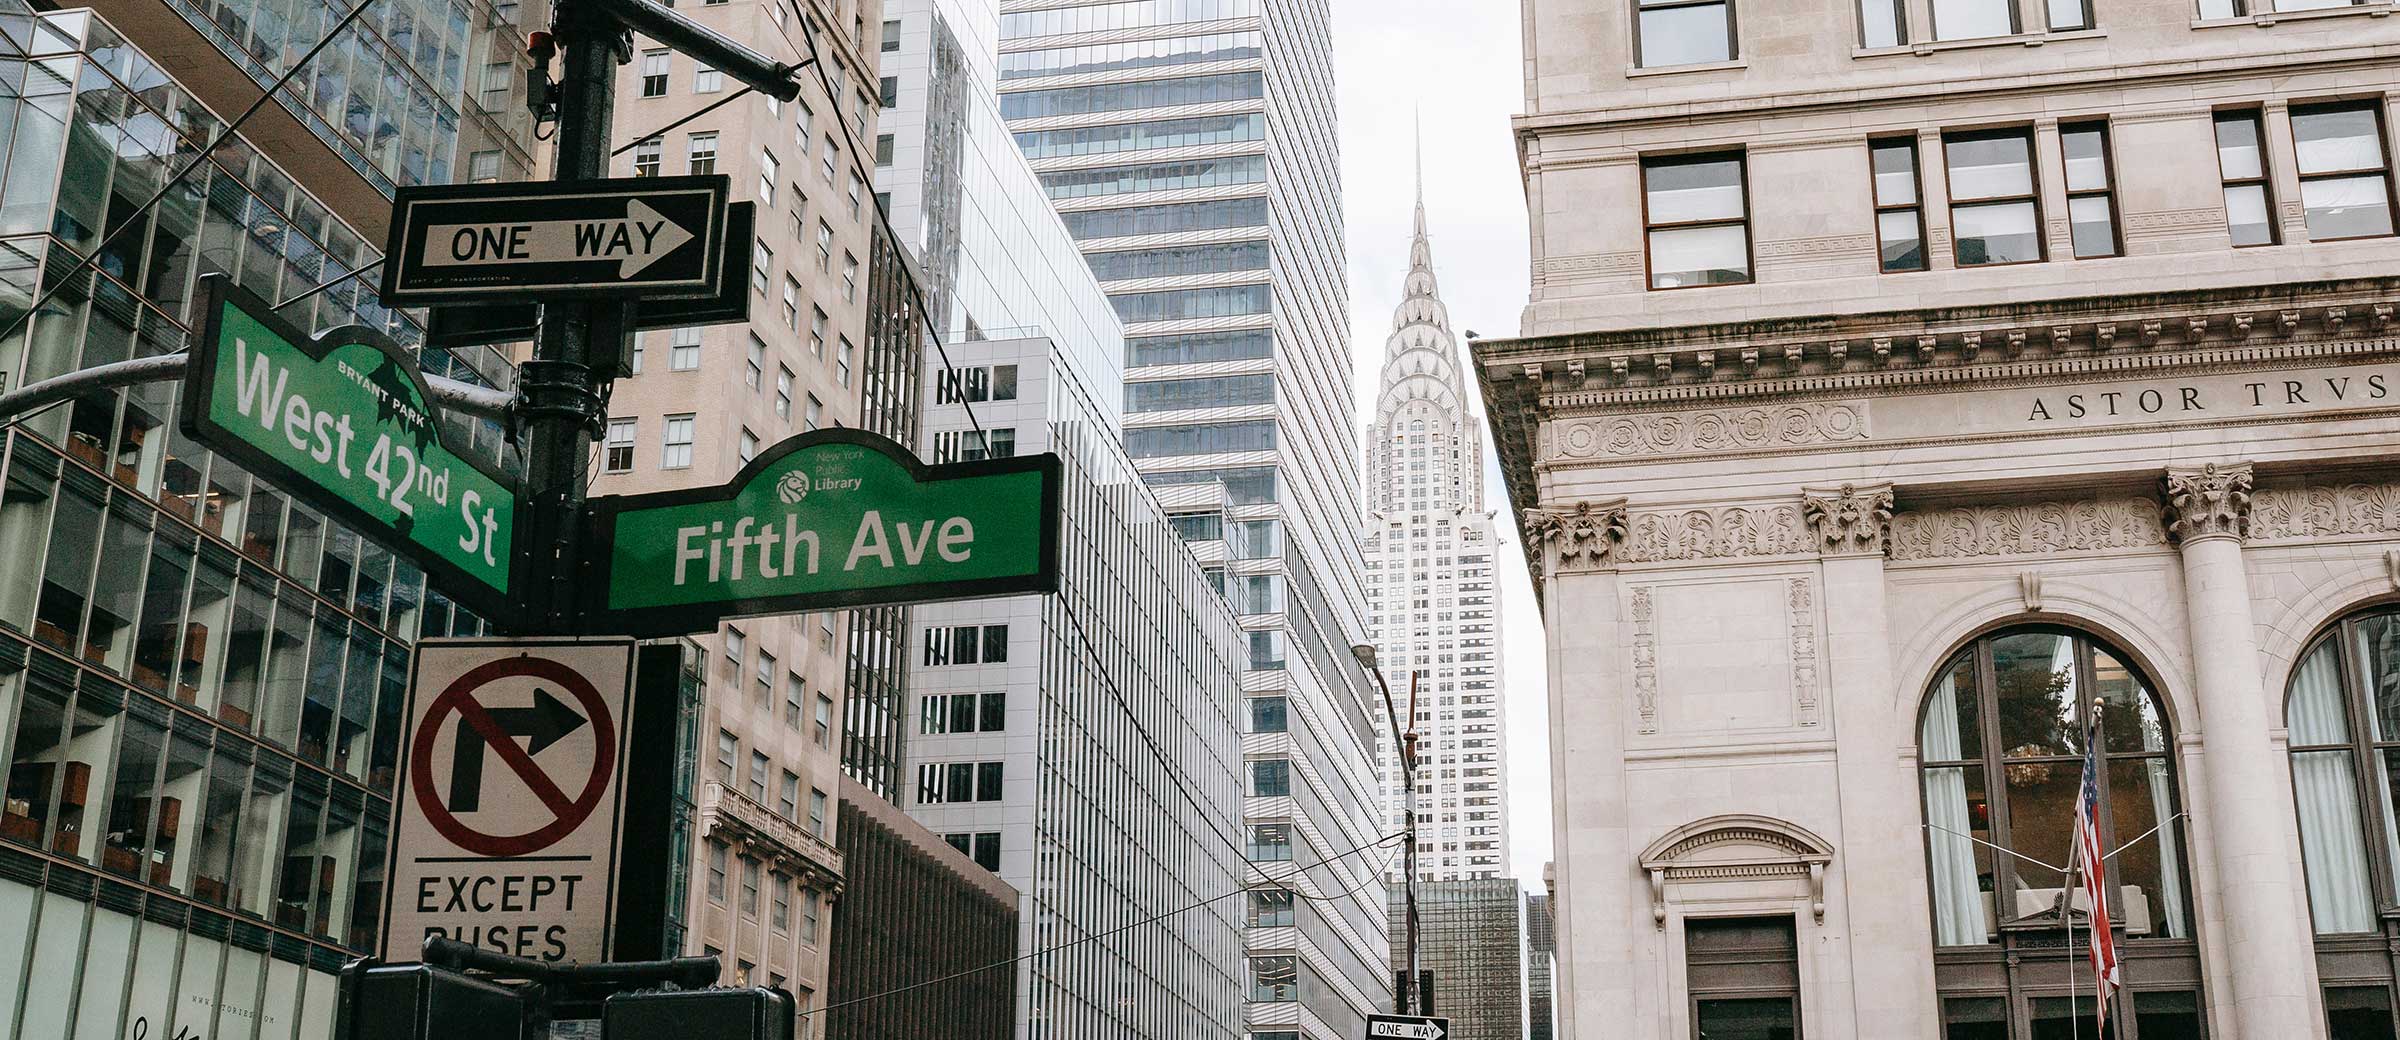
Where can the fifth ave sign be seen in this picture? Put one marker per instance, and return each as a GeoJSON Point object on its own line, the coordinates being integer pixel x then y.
{"type": "Point", "coordinates": [651, 237]}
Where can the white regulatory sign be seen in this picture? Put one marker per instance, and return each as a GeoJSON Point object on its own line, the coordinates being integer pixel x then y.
{"type": "Point", "coordinates": [511, 797]}
{"type": "Point", "coordinates": [1407, 1027]}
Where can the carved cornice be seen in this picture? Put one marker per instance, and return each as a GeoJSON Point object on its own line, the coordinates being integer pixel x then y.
{"type": "Point", "coordinates": [1785, 850]}
{"type": "Point", "coordinates": [2027, 530]}
{"type": "Point", "coordinates": [2210, 502]}
{"type": "Point", "coordinates": [1849, 520]}
{"type": "Point", "coordinates": [1649, 434]}
{"type": "Point", "coordinates": [2324, 510]}
{"type": "Point", "coordinates": [1721, 533]}
{"type": "Point", "coordinates": [1583, 536]}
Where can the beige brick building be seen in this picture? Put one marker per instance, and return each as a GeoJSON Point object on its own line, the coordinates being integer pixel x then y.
{"type": "Point", "coordinates": [1908, 389]}
{"type": "Point", "coordinates": [764, 870]}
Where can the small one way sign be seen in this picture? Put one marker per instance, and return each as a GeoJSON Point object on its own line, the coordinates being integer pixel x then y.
{"type": "Point", "coordinates": [511, 797]}
{"type": "Point", "coordinates": [1407, 1027]}
{"type": "Point", "coordinates": [644, 236]}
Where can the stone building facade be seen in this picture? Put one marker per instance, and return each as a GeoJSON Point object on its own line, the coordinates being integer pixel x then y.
{"type": "Point", "coordinates": [1905, 387]}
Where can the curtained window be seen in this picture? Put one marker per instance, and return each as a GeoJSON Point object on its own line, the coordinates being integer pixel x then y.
{"type": "Point", "coordinates": [2343, 714]}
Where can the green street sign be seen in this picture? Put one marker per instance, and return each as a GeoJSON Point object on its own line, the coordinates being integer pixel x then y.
{"type": "Point", "coordinates": [832, 518]}
{"type": "Point", "coordinates": [344, 422]}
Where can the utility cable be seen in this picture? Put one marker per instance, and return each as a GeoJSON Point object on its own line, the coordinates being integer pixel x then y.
{"type": "Point", "coordinates": [206, 150]}
{"type": "Point", "coordinates": [662, 131]}
{"type": "Point", "coordinates": [322, 286]}
{"type": "Point", "coordinates": [1096, 936]}
{"type": "Point", "coordinates": [858, 168]}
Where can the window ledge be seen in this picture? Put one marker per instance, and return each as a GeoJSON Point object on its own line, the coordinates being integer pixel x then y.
{"type": "Point", "coordinates": [1636, 72]}
{"type": "Point", "coordinates": [2266, 18]}
{"type": "Point", "coordinates": [1927, 47]}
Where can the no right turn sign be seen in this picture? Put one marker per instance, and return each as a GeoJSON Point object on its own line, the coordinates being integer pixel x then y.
{"type": "Point", "coordinates": [511, 800]}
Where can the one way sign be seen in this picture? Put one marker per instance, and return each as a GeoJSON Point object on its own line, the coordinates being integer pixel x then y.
{"type": "Point", "coordinates": [1407, 1027]}
{"type": "Point", "coordinates": [654, 237]}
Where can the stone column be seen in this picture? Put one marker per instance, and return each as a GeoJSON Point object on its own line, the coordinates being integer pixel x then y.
{"type": "Point", "coordinates": [1598, 886]}
{"type": "Point", "coordinates": [1878, 872]}
{"type": "Point", "coordinates": [2266, 935]}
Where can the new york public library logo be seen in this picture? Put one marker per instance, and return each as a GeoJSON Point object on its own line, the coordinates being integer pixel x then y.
{"type": "Point", "coordinates": [2186, 400]}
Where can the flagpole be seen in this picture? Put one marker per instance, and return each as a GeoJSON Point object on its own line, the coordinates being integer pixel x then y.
{"type": "Point", "coordinates": [2066, 916]}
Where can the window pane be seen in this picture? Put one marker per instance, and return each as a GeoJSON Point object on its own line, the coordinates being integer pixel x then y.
{"type": "Point", "coordinates": [2216, 9]}
{"type": "Point", "coordinates": [1957, 809]}
{"type": "Point", "coordinates": [1953, 728]}
{"type": "Point", "coordinates": [1968, 19]}
{"type": "Point", "coordinates": [1989, 167]}
{"type": "Point", "coordinates": [2246, 215]}
{"type": "Point", "coordinates": [2237, 146]}
{"type": "Point", "coordinates": [1975, 1018]}
{"type": "Point", "coordinates": [2347, 207]}
{"type": "Point", "coordinates": [2333, 849]}
{"type": "Point", "coordinates": [2376, 645]}
{"type": "Point", "coordinates": [2172, 1015]}
{"type": "Point", "coordinates": [1699, 256]}
{"type": "Point", "coordinates": [2035, 673]}
{"type": "Point", "coordinates": [1903, 249]}
{"type": "Point", "coordinates": [2315, 713]}
{"type": "Point", "coordinates": [1752, 1018]}
{"type": "Point", "coordinates": [2148, 873]}
{"type": "Point", "coordinates": [2068, 14]}
{"type": "Point", "coordinates": [1686, 35]}
{"type": "Point", "coordinates": [1688, 191]}
{"type": "Point", "coordinates": [2094, 226]}
{"type": "Point", "coordinates": [2041, 825]}
{"type": "Point", "coordinates": [2358, 1013]}
{"type": "Point", "coordinates": [2067, 1018]}
{"type": "Point", "coordinates": [1879, 22]}
{"type": "Point", "coordinates": [1895, 173]}
{"type": "Point", "coordinates": [2338, 139]}
{"type": "Point", "coordinates": [2087, 159]}
{"type": "Point", "coordinates": [1996, 234]}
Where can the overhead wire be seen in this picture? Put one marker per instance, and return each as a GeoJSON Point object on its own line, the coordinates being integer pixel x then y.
{"type": "Point", "coordinates": [1096, 936]}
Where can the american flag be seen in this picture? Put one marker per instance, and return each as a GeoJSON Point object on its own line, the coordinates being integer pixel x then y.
{"type": "Point", "coordinates": [2095, 872]}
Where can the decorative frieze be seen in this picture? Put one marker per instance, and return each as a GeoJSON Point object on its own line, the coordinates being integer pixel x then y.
{"type": "Point", "coordinates": [1723, 533]}
{"type": "Point", "coordinates": [2208, 502]}
{"type": "Point", "coordinates": [1849, 520]}
{"type": "Point", "coordinates": [1645, 660]}
{"type": "Point", "coordinates": [1583, 536]}
{"type": "Point", "coordinates": [2028, 529]}
{"type": "Point", "coordinates": [1803, 602]}
{"type": "Point", "coordinates": [1715, 429]}
{"type": "Point", "coordinates": [2324, 510]}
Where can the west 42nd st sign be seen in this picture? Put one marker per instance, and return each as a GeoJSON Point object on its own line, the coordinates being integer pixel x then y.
{"type": "Point", "coordinates": [653, 237]}
{"type": "Point", "coordinates": [833, 518]}
{"type": "Point", "coordinates": [344, 421]}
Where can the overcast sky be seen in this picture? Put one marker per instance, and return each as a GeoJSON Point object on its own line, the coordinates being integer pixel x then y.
{"type": "Point", "coordinates": [1453, 67]}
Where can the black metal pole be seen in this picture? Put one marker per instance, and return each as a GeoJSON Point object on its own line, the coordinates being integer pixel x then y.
{"type": "Point", "coordinates": [563, 389]}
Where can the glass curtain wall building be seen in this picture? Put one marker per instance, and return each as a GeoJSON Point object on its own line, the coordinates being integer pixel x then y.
{"type": "Point", "coordinates": [1023, 747]}
{"type": "Point", "coordinates": [201, 678]}
{"type": "Point", "coordinates": [1190, 146]}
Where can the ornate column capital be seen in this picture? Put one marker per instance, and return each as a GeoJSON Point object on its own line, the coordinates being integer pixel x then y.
{"type": "Point", "coordinates": [2212, 501]}
{"type": "Point", "coordinates": [1851, 520]}
{"type": "Point", "coordinates": [1584, 536]}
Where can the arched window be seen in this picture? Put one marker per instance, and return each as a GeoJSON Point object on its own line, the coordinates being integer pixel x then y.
{"type": "Point", "coordinates": [2343, 716]}
{"type": "Point", "coordinates": [2000, 752]}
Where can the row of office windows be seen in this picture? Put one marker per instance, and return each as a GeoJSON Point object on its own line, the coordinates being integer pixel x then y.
{"type": "Point", "coordinates": [1139, 54]}
{"type": "Point", "coordinates": [976, 383]}
{"type": "Point", "coordinates": [784, 801]}
{"type": "Point", "coordinates": [1164, 176]}
{"type": "Point", "coordinates": [764, 666]}
{"type": "Point", "coordinates": [1668, 33]}
{"type": "Point", "coordinates": [944, 782]}
{"type": "Point", "coordinates": [1216, 301]}
{"type": "Point", "coordinates": [1175, 261]}
{"type": "Point", "coordinates": [1162, 395]}
{"type": "Point", "coordinates": [779, 885]}
{"type": "Point", "coordinates": [1086, 99]}
{"type": "Point", "coordinates": [1244, 485]}
{"type": "Point", "coordinates": [966, 644]}
{"type": "Point", "coordinates": [981, 846]}
{"type": "Point", "coordinates": [946, 713]}
{"type": "Point", "coordinates": [1167, 218]}
{"type": "Point", "coordinates": [1126, 14]}
{"type": "Point", "coordinates": [1191, 348]}
{"type": "Point", "coordinates": [1143, 442]}
{"type": "Point", "coordinates": [1155, 133]}
{"type": "Point", "coordinates": [1697, 212]}
{"type": "Point", "coordinates": [974, 445]}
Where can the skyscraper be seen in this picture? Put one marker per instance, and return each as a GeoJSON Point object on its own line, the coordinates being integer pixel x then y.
{"type": "Point", "coordinates": [1190, 148]}
{"type": "Point", "coordinates": [1429, 545]}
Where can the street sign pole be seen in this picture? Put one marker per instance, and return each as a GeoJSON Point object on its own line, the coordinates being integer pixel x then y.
{"type": "Point", "coordinates": [564, 388]}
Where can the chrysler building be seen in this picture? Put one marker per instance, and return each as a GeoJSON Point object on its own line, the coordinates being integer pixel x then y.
{"type": "Point", "coordinates": [1429, 546]}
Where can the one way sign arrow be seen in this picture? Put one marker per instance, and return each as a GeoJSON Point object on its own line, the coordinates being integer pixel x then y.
{"type": "Point", "coordinates": [1407, 1027]}
{"type": "Point", "coordinates": [638, 239]}
{"type": "Point", "coordinates": [649, 237]}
